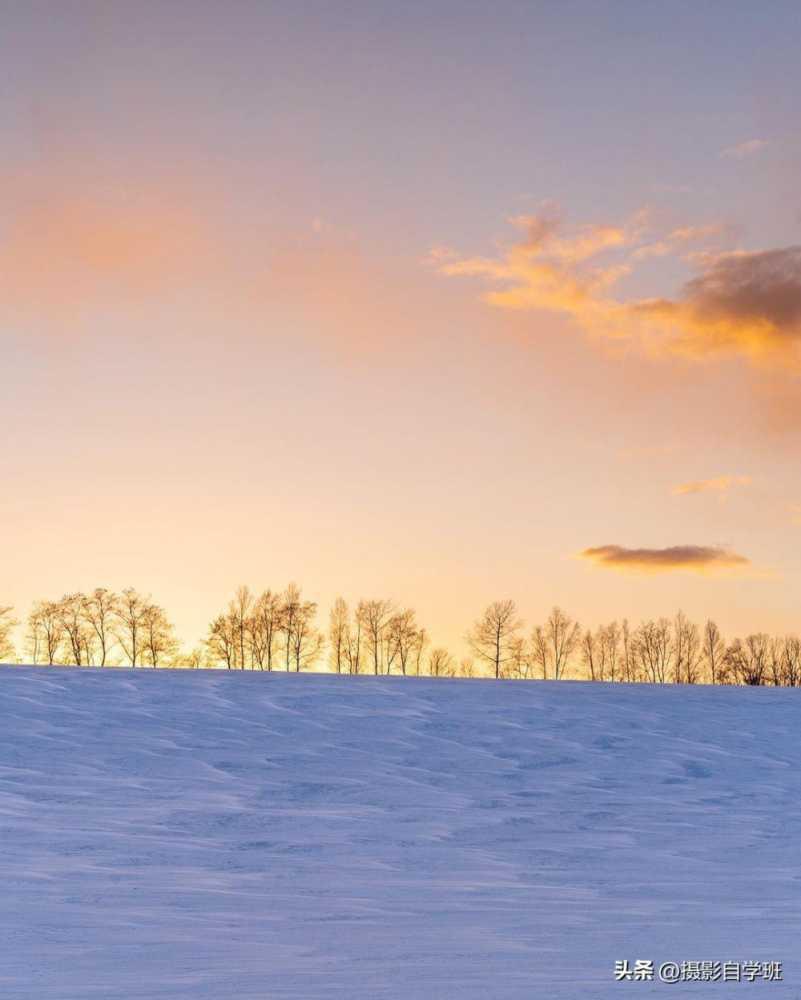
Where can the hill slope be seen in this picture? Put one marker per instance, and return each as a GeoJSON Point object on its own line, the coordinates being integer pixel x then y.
{"type": "Point", "coordinates": [212, 835]}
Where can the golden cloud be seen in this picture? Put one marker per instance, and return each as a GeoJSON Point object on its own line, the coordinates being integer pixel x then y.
{"type": "Point", "coordinates": [690, 558]}
{"type": "Point", "coordinates": [739, 304]}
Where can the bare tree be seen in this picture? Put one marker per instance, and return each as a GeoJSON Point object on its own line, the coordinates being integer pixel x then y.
{"type": "Point", "coordinates": [354, 645]}
{"type": "Point", "coordinates": [748, 660]}
{"type": "Point", "coordinates": [491, 637]}
{"type": "Point", "coordinates": [131, 611]}
{"type": "Point", "coordinates": [374, 617]}
{"type": "Point", "coordinates": [467, 667]}
{"type": "Point", "coordinates": [420, 643]}
{"type": "Point", "coordinates": [600, 652]}
{"type": "Point", "coordinates": [519, 664]}
{"type": "Point", "coordinates": [158, 635]}
{"type": "Point", "coordinates": [34, 635]}
{"type": "Point", "coordinates": [307, 641]}
{"type": "Point", "coordinates": [338, 623]}
{"type": "Point", "coordinates": [792, 660]}
{"type": "Point", "coordinates": [80, 634]}
{"type": "Point", "coordinates": [590, 655]}
{"type": "Point", "coordinates": [7, 625]}
{"type": "Point", "coordinates": [687, 651]}
{"type": "Point", "coordinates": [609, 637]}
{"type": "Point", "coordinates": [99, 611]}
{"type": "Point", "coordinates": [440, 662]}
{"type": "Point", "coordinates": [693, 655]}
{"type": "Point", "coordinates": [239, 613]}
{"type": "Point", "coordinates": [776, 661]}
{"type": "Point", "coordinates": [555, 642]}
{"type": "Point", "coordinates": [714, 650]}
{"type": "Point", "coordinates": [221, 641]}
{"type": "Point", "coordinates": [629, 662]}
{"type": "Point", "coordinates": [290, 610]}
{"type": "Point", "coordinates": [46, 630]}
{"type": "Point", "coordinates": [652, 646]}
{"type": "Point", "coordinates": [264, 625]}
{"type": "Point", "coordinates": [402, 635]}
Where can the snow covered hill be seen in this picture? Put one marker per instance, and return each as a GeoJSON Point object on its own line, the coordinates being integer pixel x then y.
{"type": "Point", "coordinates": [184, 834]}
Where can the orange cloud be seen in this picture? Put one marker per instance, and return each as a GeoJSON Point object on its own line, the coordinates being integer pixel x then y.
{"type": "Point", "coordinates": [718, 484]}
{"type": "Point", "coordinates": [690, 558]}
{"type": "Point", "coordinates": [740, 304]}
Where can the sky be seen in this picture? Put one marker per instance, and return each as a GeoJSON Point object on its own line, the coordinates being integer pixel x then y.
{"type": "Point", "coordinates": [440, 302]}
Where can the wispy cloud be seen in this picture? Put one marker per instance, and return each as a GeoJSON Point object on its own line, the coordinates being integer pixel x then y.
{"type": "Point", "coordinates": [690, 558]}
{"type": "Point", "coordinates": [739, 303]}
{"type": "Point", "coordinates": [718, 484]}
{"type": "Point", "coordinates": [744, 149]}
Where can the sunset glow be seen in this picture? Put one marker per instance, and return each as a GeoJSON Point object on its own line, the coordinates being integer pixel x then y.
{"type": "Point", "coordinates": [520, 318]}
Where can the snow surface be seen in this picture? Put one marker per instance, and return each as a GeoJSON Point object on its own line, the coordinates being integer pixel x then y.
{"type": "Point", "coordinates": [175, 834]}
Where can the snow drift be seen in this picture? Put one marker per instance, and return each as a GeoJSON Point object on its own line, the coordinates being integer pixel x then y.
{"type": "Point", "coordinates": [216, 835]}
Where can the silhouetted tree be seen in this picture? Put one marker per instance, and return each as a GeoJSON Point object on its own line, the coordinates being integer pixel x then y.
{"type": "Point", "coordinates": [652, 647]}
{"type": "Point", "coordinates": [418, 648]}
{"type": "Point", "coordinates": [440, 662]}
{"type": "Point", "coordinates": [79, 633]}
{"type": "Point", "coordinates": [158, 636]}
{"type": "Point", "coordinates": [131, 611]}
{"type": "Point", "coordinates": [748, 660]}
{"type": "Point", "coordinates": [775, 658]}
{"type": "Point", "coordinates": [467, 667]}
{"type": "Point", "coordinates": [492, 636]}
{"type": "Point", "coordinates": [290, 609]}
{"type": "Point", "coordinates": [307, 641]}
{"type": "Point", "coordinates": [590, 655]}
{"type": "Point", "coordinates": [354, 645]}
{"type": "Point", "coordinates": [601, 652]}
{"type": "Point", "coordinates": [610, 636]}
{"type": "Point", "coordinates": [629, 660]}
{"type": "Point", "coordinates": [687, 651]}
{"type": "Point", "coordinates": [45, 631]}
{"type": "Point", "coordinates": [714, 650]}
{"type": "Point", "coordinates": [554, 643]}
{"type": "Point", "coordinates": [374, 617]}
{"type": "Point", "coordinates": [7, 626]}
{"type": "Point", "coordinates": [792, 660]}
{"type": "Point", "coordinates": [520, 661]}
{"type": "Point", "coordinates": [402, 635]}
{"type": "Point", "coordinates": [100, 610]}
{"type": "Point", "coordinates": [338, 623]}
{"type": "Point", "coordinates": [221, 641]}
{"type": "Point", "coordinates": [264, 626]}
{"type": "Point", "coordinates": [239, 611]}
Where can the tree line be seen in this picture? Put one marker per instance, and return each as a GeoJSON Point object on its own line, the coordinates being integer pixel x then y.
{"type": "Point", "coordinates": [99, 629]}
{"type": "Point", "coordinates": [278, 630]}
